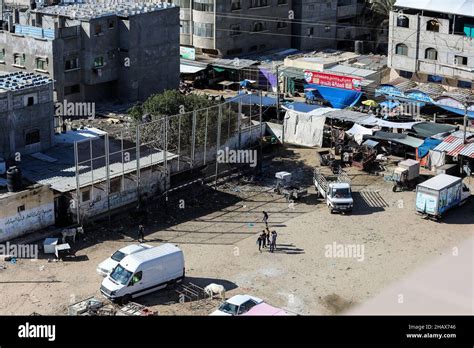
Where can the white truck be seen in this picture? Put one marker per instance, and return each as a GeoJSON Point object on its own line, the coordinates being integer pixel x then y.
{"type": "Point", "coordinates": [336, 190]}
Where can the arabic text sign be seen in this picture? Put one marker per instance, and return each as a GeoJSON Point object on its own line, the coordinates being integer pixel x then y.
{"type": "Point", "coordinates": [330, 80]}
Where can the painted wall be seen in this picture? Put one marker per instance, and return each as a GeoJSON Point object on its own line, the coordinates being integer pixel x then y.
{"type": "Point", "coordinates": [38, 213]}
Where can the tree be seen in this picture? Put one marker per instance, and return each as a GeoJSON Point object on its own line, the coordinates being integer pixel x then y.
{"type": "Point", "coordinates": [177, 110]}
{"type": "Point", "coordinates": [380, 14]}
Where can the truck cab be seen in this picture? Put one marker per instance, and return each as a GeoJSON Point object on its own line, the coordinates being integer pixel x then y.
{"type": "Point", "coordinates": [339, 197]}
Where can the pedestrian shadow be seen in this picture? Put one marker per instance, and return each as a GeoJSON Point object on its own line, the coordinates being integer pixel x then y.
{"type": "Point", "coordinates": [289, 249]}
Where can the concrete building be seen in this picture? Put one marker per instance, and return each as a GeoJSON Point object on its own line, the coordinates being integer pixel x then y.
{"type": "Point", "coordinates": [26, 114]}
{"type": "Point", "coordinates": [431, 41]}
{"type": "Point", "coordinates": [97, 52]}
{"type": "Point", "coordinates": [234, 27]}
{"type": "Point", "coordinates": [315, 24]}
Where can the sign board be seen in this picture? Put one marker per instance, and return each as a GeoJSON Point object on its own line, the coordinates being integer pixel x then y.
{"type": "Point", "coordinates": [330, 80]}
{"type": "Point", "coordinates": [187, 52]}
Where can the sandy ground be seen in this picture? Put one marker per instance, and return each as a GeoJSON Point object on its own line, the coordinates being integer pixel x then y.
{"type": "Point", "coordinates": [217, 232]}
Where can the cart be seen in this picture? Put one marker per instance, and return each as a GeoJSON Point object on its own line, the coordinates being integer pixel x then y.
{"type": "Point", "coordinates": [284, 187]}
{"type": "Point", "coordinates": [405, 176]}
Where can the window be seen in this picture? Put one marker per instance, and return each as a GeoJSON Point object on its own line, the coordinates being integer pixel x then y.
{"type": "Point", "coordinates": [86, 196]}
{"type": "Point", "coordinates": [432, 25]}
{"type": "Point", "coordinates": [71, 63]}
{"type": "Point", "coordinates": [310, 31]}
{"type": "Point", "coordinates": [235, 30]}
{"type": "Point", "coordinates": [30, 101]}
{"type": "Point", "coordinates": [281, 25]}
{"type": "Point", "coordinates": [282, 2]}
{"type": "Point", "coordinates": [431, 54]}
{"type": "Point", "coordinates": [111, 23]}
{"type": "Point", "coordinates": [72, 89]}
{"type": "Point", "coordinates": [115, 185]}
{"type": "Point", "coordinates": [20, 208]}
{"type": "Point", "coordinates": [403, 22]}
{"type": "Point", "coordinates": [32, 137]}
{"type": "Point", "coordinates": [327, 28]}
{"type": "Point", "coordinates": [98, 30]}
{"type": "Point", "coordinates": [258, 3]}
{"type": "Point", "coordinates": [401, 49]}
{"type": "Point", "coordinates": [465, 84]}
{"type": "Point", "coordinates": [406, 74]}
{"type": "Point", "coordinates": [435, 78]}
{"type": "Point", "coordinates": [2, 55]}
{"type": "Point", "coordinates": [19, 59]}
{"type": "Point", "coordinates": [460, 60]}
{"type": "Point", "coordinates": [41, 64]}
{"type": "Point", "coordinates": [136, 278]}
{"type": "Point", "coordinates": [204, 29]}
{"type": "Point", "coordinates": [98, 62]}
{"type": "Point", "coordinates": [203, 5]}
{"type": "Point", "coordinates": [259, 26]}
{"type": "Point", "coordinates": [185, 27]}
{"type": "Point", "coordinates": [235, 5]}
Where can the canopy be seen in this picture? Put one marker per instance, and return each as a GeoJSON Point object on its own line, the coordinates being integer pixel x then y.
{"type": "Point", "coordinates": [428, 129]}
{"type": "Point", "coordinates": [458, 7]}
{"type": "Point", "coordinates": [390, 104]}
{"type": "Point", "coordinates": [358, 132]}
{"type": "Point", "coordinates": [428, 144]}
{"type": "Point", "coordinates": [189, 69]}
{"type": "Point", "coordinates": [339, 98]}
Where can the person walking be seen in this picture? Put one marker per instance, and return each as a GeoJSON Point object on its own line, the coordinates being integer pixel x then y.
{"type": "Point", "coordinates": [268, 237]}
{"type": "Point", "coordinates": [263, 236]}
{"type": "Point", "coordinates": [141, 233]}
{"type": "Point", "coordinates": [259, 243]}
{"type": "Point", "coordinates": [273, 244]}
{"type": "Point", "coordinates": [265, 218]}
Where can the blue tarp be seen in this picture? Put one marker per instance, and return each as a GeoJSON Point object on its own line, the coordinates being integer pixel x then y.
{"type": "Point", "coordinates": [470, 114]}
{"type": "Point", "coordinates": [245, 83]}
{"type": "Point", "coordinates": [302, 107]}
{"type": "Point", "coordinates": [427, 145]}
{"type": "Point", "coordinates": [251, 99]}
{"type": "Point", "coordinates": [338, 98]}
{"type": "Point", "coordinates": [389, 104]}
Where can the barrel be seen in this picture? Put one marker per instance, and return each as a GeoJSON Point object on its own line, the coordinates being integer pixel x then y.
{"type": "Point", "coordinates": [13, 179]}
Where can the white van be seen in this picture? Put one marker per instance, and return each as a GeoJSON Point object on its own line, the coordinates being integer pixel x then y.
{"type": "Point", "coordinates": [144, 272]}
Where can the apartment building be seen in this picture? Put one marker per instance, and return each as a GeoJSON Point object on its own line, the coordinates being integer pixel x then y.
{"type": "Point", "coordinates": [432, 41]}
{"type": "Point", "coordinates": [96, 51]}
{"type": "Point", "coordinates": [234, 27]}
{"type": "Point", "coordinates": [26, 114]}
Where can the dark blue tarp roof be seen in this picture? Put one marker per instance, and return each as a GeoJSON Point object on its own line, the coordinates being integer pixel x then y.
{"type": "Point", "coordinates": [339, 98]}
{"type": "Point", "coordinates": [302, 107]}
{"type": "Point", "coordinates": [251, 99]}
{"type": "Point", "coordinates": [427, 145]}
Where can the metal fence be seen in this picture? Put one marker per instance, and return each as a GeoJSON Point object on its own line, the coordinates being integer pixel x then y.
{"type": "Point", "coordinates": [115, 171]}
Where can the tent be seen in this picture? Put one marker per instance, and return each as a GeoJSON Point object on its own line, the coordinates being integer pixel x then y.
{"type": "Point", "coordinates": [305, 128]}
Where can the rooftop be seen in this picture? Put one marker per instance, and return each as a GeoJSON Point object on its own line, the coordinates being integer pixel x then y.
{"type": "Point", "coordinates": [87, 11]}
{"type": "Point", "coordinates": [458, 7]}
{"type": "Point", "coordinates": [22, 80]}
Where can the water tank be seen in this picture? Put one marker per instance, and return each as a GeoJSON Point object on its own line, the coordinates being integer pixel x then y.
{"type": "Point", "coordinates": [13, 179]}
{"type": "Point", "coordinates": [359, 47]}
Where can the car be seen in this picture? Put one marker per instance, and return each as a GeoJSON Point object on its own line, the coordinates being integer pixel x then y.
{"type": "Point", "coordinates": [107, 266]}
{"type": "Point", "coordinates": [237, 305]}
{"type": "Point", "coordinates": [264, 309]}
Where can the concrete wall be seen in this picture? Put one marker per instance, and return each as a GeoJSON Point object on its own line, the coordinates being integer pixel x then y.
{"type": "Point", "coordinates": [38, 213]}
{"type": "Point", "coordinates": [17, 119]}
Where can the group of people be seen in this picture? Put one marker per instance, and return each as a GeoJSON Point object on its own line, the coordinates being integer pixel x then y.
{"type": "Point", "coordinates": [267, 237]}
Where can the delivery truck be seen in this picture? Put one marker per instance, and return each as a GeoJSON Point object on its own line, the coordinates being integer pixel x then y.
{"type": "Point", "coordinates": [439, 194]}
{"type": "Point", "coordinates": [144, 272]}
{"type": "Point", "coordinates": [336, 190]}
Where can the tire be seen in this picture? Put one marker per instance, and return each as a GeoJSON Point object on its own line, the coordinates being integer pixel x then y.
{"type": "Point", "coordinates": [125, 299]}
{"type": "Point", "coordinates": [331, 210]}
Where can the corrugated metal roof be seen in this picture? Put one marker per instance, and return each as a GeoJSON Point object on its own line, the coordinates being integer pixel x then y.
{"type": "Point", "coordinates": [453, 146]}
{"type": "Point", "coordinates": [459, 7]}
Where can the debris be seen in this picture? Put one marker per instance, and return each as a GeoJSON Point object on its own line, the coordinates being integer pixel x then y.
{"type": "Point", "coordinates": [3, 267]}
{"type": "Point", "coordinates": [41, 268]}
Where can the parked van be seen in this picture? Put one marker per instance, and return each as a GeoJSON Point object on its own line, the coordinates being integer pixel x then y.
{"type": "Point", "coordinates": [144, 272]}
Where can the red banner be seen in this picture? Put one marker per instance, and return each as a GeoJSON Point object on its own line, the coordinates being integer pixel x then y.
{"type": "Point", "coordinates": [330, 80]}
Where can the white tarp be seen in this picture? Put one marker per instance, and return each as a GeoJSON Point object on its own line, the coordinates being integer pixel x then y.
{"type": "Point", "coordinates": [358, 132]}
{"type": "Point", "coordinates": [436, 159]}
{"type": "Point", "coordinates": [374, 121]}
{"type": "Point", "coordinates": [305, 128]}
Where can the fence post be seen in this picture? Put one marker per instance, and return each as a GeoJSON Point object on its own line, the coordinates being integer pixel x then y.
{"type": "Point", "coordinates": [193, 139]}
{"type": "Point", "coordinates": [219, 117]}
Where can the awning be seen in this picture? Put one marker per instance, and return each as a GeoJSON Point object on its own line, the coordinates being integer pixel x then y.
{"type": "Point", "coordinates": [397, 138]}
{"type": "Point", "coordinates": [453, 146]}
{"type": "Point", "coordinates": [428, 129]}
{"type": "Point", "coordinates": [428, 144]}
{"type": "Point", "coordinates": [189, 69]}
